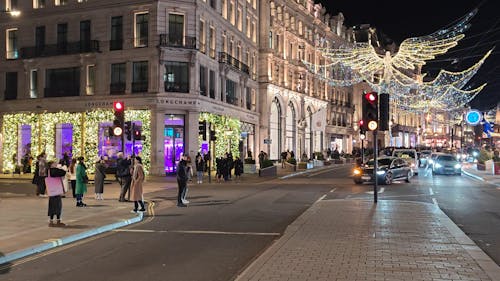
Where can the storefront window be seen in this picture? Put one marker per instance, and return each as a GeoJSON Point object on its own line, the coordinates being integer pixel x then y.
{"type": "Point", "coordinates": [64, 140]}
{"type": "Point", "coordinates": [173, 141]}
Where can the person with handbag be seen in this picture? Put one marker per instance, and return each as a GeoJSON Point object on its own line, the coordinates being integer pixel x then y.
{"type": "Point", "coordinates": [55, 189]}
{"type": "Point", "coordinates": [136, 189]}
{"type": "Point", "coordinates": [81, 182]}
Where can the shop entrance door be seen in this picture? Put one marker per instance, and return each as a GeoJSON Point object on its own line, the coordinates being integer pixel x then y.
{"type": "Point", "coordinates": [173, 142]}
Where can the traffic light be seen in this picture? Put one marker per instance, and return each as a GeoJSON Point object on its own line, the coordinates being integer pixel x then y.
{"type": "Point", "coordinates": [137, 132]}
{"type": "Point", "coordinates": [370, 110]}
{"type": "Point", "coordinates": [202, 129]}
{"type": "Point", "coordinates": [128, 130]}
{"type": "Point", "coordinates": [212, 135]}
{"type": "Point", "coordinates": [118, 123]}
{"type": "Point", "coordinates": [384, 112]}
{"type": "Point", "coordinates": [362, 127]}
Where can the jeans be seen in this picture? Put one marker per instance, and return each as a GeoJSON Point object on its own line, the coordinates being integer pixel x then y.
{"type": "Point", "coordinates": [199, 174]}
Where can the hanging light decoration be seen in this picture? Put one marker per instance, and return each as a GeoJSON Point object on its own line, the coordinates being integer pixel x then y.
{"type": "Point", "coordinates": [399, 74]}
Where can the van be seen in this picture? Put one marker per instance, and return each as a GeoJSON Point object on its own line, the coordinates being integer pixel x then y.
{"type": "Point", "coordinates": [408, 154]}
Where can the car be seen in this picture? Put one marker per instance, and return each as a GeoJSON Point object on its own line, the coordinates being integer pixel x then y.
{"type": "Point", "coordinates": [432, 158]}
{"type": "Point", "coordinates": [423, 158]}
{"type": "Point", "coordinates": [408, 154]}
{"type": "Point", "coordinates": [446, 164]}
{"type": "Point", "coordinates": [389, 169]}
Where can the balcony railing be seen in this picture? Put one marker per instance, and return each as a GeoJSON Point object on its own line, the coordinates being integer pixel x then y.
{"type": "Point", "coordinates": [67, 48]}
{"type": "Point", "coordinates": [177, 87]}
{"type": "Point", "coordinates": [229, 60]}
{"type": "Point", "coordinates": [139, 87]}
{"type": "Point", "coordinates": [117, 88]}
{"type": "Point", "coordinates": [173, 40]}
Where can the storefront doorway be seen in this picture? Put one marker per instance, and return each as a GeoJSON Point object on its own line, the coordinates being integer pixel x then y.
{"type": "Point", "coordinates": [173, 141]}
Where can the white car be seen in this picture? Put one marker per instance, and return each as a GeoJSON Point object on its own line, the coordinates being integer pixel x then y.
{"type": "Point", "coordinates": [409, 155]}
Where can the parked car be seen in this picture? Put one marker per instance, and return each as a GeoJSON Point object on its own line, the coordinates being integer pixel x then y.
{"type": "Point", "coordinates": [409, 155]}
{"type": "Point", "coordinates": [423, 158]}
{"type": "Point", "coordinates": [446, 164]}
{"type": "Point", "coordinates": [389, 169]}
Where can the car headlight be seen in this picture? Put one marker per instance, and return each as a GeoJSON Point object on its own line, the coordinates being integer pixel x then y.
{"type": "Point", "coordinates": [437, 165]}
{"type": "Point", "coordinates": [430, 161]}
{"type": "Point", "coordinates": [458, 166]}
{"type": "Point", "coordinates": [380, 172]}
{"type": "Point", "coordinates": [357, 171]}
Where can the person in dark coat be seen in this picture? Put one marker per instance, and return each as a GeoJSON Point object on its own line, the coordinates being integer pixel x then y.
{"type": "Point", "coordinates": [100, 175]}
{"type": "Point", "coordinates": [81, 182]}
{"type": "Point", "coordinates": [238, 168]}
{"type": "Point", "coordinates": [200, 167]}
{"type": "Point", "coordinates": [124, 176]}
{"type": "Point", "coordinates": [55, 201]}
{"type": "Point", "coordinates": [182, 179]}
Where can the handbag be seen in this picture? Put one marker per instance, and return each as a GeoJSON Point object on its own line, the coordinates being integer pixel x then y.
{"type": "Point", "coordinates": [54, 185]}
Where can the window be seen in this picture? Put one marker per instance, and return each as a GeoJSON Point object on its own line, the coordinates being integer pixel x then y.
{"type": "Point", "coordinates": [213, 4]}
{"type": "Point", "coordinates": [85, 36]}
{"type": "Point", "coordinates": [10, 85]}
{"type": "Point", "coordinates": [62, 82]}
{"type": "Point", "coordinates": [37, 4]}
{"type": "Point", "coordinates": [224, 8]}
{"type": "Point", "coordinates": [176, 77]}
{"type": "Point", "coordinates": [11, 5]}
{"type": "Point", "coordinates": [62, 36]}
{"type": "Point", "coordinates": [116, 42]}
{"type": "Point", "coordinates": [176, 29]}
{"type": "Point", "coordinates": [239, 19]}
{"type": "Point", "coordinates": [140, 76]}
{"type": "Point", "coordinates": [211, 84]}
{"type": "Point", "coordinates": [61, 2]}
{"type": "Point", "coordinates": [202, 36]}
{"type": "Point", "coordinates": [212, 42]}
{"type": "Point", "coordinates": [270, 39]}
{"type": "Point", "coordinates": [254, 32]}
{"type": "Point", "coordinates": [231, 13]}
{"type": "Point", "coordinates": [203, 80]}
{"type": "Point", "coordinates": [34, 84]}
{"type": "Point", "coordinates": [90, 85]}
{"type": "Point", "coordinates": [39, 39]}
{"type": "Point", "coordinates": [231, 92]}
{"type": "Point", "coordinates": [248, 27]}
{"type": "Point", "coordinates": [118, 76]}
{"type": "Point", "coordinates": [11, 52]}
{"type": "Point", "coordinates": [248, 98]}
{"type": "Point", "coordinates": [141, 30]}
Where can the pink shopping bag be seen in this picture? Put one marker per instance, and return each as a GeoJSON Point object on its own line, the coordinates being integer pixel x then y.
{"type": "Point", "coordinates": [54, 186]}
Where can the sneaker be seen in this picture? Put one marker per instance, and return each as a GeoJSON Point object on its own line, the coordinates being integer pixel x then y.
{"type": "Point", "coordinates": [181, 205]}
{"type": "Point", "coordinates": [142, 210]}
{"type": "Point", "coordinates": [184, 201]}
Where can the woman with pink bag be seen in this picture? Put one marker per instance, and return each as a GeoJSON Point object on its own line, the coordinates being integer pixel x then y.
{"type": "Point", "coordinates": [55, 189]}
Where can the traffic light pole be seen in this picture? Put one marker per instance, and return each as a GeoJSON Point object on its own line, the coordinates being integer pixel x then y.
{"type": "Point", "coordinates": [209, 154]}
{"type": "Point", "coordinates": [375, 166]}
{"type": "Point", "coordinates": [133, 139]}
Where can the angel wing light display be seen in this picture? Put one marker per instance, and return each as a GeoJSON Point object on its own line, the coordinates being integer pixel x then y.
{"type": "Point", "coordinates": [399, 74]}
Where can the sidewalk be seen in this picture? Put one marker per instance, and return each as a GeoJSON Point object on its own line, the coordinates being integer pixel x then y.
{"type": "Point", "coordinates": [471, 170]}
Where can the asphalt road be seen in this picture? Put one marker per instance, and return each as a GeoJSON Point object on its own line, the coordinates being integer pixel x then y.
{"type": "Point", "coordinates": [226, 226]}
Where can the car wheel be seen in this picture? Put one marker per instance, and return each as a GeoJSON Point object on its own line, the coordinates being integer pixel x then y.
{"type": "Point", "coordinates": [388, 178]}
{"type": "Point", "coordinates": [408, 176]}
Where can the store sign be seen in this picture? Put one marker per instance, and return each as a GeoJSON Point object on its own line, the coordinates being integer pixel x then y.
{"type": "Point", "coordinates": [267, 141]}
{"type": "Point", "coordinates": [473, 117]}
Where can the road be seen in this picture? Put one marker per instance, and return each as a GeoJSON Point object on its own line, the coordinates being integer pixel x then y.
{"type": "Point", "coordinates": [227, 225]}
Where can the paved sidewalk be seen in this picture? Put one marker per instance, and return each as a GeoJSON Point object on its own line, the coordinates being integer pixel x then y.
{"type": "Point", "coordinates": [357, 240]}
{"type": "Point", "coordinates": [486, 176]}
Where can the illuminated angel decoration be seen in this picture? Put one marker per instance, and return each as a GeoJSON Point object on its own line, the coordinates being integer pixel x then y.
{"type": "Point", "coordinates": [399, 73]}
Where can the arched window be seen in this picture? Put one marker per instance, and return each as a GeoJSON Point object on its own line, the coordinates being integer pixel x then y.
{"type": "Point", "coordinates": [275, 130]}
{"type": "Point", "coordinates": [291, 129]}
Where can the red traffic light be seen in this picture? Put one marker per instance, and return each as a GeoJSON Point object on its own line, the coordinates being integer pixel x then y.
{"type": "Point", "coordinates": [361, 123]}
{"type": "Point", "coordinates": [118, 106]}
{"type": "Point", "coordinates": [371, 97]}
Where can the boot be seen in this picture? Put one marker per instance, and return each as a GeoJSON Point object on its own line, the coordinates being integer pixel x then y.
{"type": "Point", "coordinates": [51, 223]}
{"type": "Point", "coordinates": [60, 224]}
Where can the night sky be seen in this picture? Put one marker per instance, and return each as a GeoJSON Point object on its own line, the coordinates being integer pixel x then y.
{"type": "Point", "coordinates": [402, 19]}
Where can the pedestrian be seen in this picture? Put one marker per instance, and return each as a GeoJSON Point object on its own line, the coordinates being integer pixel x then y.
{"type": "Point", "coordinates": [64, 179]}
{"type": "Point", "coordinates": [66, 159]}
{"type": "Point", "coordinates": [123, 175]}
{"type": "Point", "coordinates": [99, 176]}
{"type": "Point", "coordinates": [189, 168]}
{"type": "Point", "coordinates": [182, 179]}
{"type": "Point", "coordinates": [136, 189]}
{"type": "Point", "coordinates": [200, 167]}
{"type": "Point", "coordinates": [55, 189]}
{"type": "Point", "coordinates": [81, 182]}
{"type": "Point", "coordinates": [42, 174]}
{"type": "Point", "coordinates": [206, 159]}
{"type": "Point", "coordinates": [72, 176]}
{"type": "Point", "coordinates": [238, 168]}
{"type": "Point", "coordinates": [230, 164]}
{"type": "Point", "coordinates": [219, 169]}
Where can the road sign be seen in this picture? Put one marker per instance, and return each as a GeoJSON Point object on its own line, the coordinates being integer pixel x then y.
{"type": "Point", "coordinates": [473, 117]}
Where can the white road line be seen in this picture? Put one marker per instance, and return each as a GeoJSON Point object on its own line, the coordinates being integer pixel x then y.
{"type": "Point", "coordinates": [199, 232]}
{"type": "Point", "coordinates": [333, 190]}
{"type": "Point", "coordinates": [434, 201]}
{"type": "Point", "coordinates": [321, 198]}
{"type": "Point", "coordinates": [431, 192]}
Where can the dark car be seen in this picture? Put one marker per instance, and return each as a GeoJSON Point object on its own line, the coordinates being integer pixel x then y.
{"type": "Point", "coordinates": [389, 169]}
{"type": "Point", "coordinates": [446, 164]}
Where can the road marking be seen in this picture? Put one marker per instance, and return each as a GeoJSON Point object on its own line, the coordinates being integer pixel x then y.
{"type": "Point", "coordinates": [333, 190]}
{"type": "Point", "coordinates": [321, 198]}
{"type": "Point", "coordinates": [434, 201]}
{"type": "Point", "coordinates": [382, 189]}
{"type": "Point", "coordinates": [431, 191]}
{"type": "Point", "coordinates": [199, 232]}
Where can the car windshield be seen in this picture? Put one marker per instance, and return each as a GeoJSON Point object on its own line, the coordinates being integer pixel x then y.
{"type": "Point", "coordinates": [381, 162]}
{"type": "Point", "coordinates": [446, 158]}
{"type": "Point", "coordinates": [405, 154]}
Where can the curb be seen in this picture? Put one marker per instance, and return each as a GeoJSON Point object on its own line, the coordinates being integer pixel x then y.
{"type": "Point", "coordinates": [310, 171]}
{"type": "Point", "coordinates": [67, 240]}
{"type": "Point", "coordinates": [472, 175]}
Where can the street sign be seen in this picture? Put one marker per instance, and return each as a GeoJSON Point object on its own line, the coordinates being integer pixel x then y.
{"type": "Point", "coordinates": [267, 141]}
{"type": "Point", "coordinates": [473, 117]}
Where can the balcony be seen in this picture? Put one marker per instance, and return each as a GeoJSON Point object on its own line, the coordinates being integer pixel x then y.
{"type": "Point", "coordinates": [67, 48]}
{"type": "Point", "coordinates": [139, 87]}
{"type": "Point", "coordinates": [172, 40]}
{"type": "Point", "coordinates": [225, 58]}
